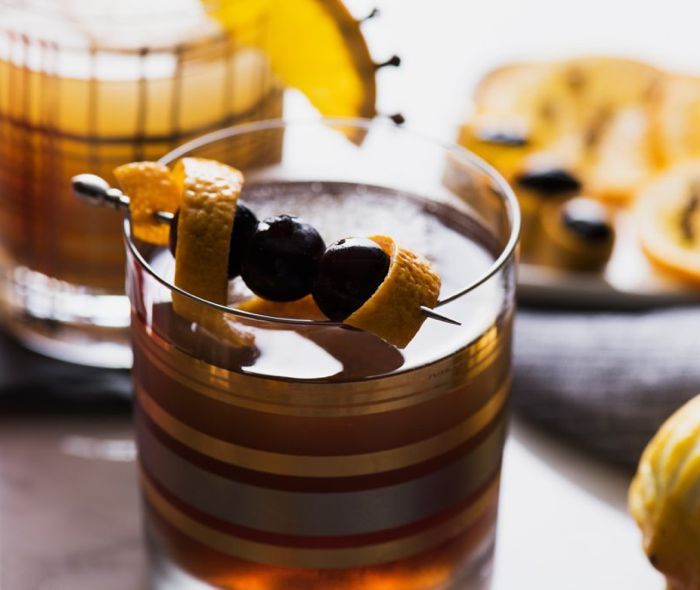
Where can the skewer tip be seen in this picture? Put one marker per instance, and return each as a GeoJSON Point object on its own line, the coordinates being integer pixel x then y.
{"type": "Point", "coordinates": [429, 313]}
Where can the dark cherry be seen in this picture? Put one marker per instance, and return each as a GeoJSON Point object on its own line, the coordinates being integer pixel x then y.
{"type": "Point", "coordinates": [349, 273]}
{"type": "Point", "coordinates": [245, 224]}
{"type": "Point", "coordinates": [281, 259]}
{"type": "Point", "coordinates": [549, 181]}
{"type": "Point", "coordinates": [587, 218]}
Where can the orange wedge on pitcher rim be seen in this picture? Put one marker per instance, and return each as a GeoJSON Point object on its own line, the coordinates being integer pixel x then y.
{"type": "Point", "coordinates": [315, 46]}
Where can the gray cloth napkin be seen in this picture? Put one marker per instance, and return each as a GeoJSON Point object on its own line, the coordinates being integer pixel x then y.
{"type": "Point", "coordinates": [606, 380]}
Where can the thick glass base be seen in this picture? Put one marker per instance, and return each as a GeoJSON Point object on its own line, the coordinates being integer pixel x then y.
{"type": "Point", "coordinates": [475, 573]}
{"type": "Point", "coordinates": [70, 323]}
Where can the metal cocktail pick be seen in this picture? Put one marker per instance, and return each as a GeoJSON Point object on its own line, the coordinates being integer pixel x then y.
{"type": "Point", "coordinates": [96, 191]}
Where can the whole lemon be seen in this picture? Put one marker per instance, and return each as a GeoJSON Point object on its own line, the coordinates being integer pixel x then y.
{"type": "Point", "coordinates": [665, 498]}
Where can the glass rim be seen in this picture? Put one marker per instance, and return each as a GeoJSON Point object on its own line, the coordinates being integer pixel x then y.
{"type": "Point", "coordinates": [505, 191]}
{"type": "Point", "coordinates": [37, 9]}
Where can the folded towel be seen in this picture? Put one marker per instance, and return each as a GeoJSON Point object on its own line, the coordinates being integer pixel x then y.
{"type": "Point", "coordinates": [606, 380]}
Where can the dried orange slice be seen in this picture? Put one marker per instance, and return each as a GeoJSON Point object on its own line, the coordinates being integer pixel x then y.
{"type": "Point", "coordinates": [601, 85]}
{"type": "Point", "coordinates": [507, 158]}
{"type": "Point", "coordinates": [668, 217]}
{"type": "Point", "coordinates": [210, 193]}
{"type": "Point", "coordinates": [393, 311]}
{"type": "Point", "coordinates": [622, 159]}
{"type": "Point", "coordinates": [663, 498]}
{"type": "Point", "coordinates": [517, 101]}
{"type": "Point", "coordinates": [676, 119]}
{"type": "Point", "coordinates": [151, 188]}
{"type": "Point", "coordinates": [585, 115]}
{"type": "Point", "coordinates": [315, 46]}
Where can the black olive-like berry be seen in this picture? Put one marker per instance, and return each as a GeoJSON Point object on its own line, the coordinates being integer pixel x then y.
{"type": "Point", "coordinates": [245, 223]}
{"type": "Point", "coordinates": [587, 219]}
{"type": "Point", "coordinates": [549, 181]}
{"type": "Point", "coordinates": [348, 275]}
{"type": "Point", "coordinates": [281, 259]}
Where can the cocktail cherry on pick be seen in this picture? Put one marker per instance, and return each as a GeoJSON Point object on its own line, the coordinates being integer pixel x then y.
{"type": "Point", "coordinates": [281, 259]}
{"type": "Point", "coordinates": [349, 273]}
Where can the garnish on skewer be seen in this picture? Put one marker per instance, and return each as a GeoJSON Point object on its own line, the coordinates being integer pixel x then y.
{"type": "Point", "coordinates": [393, 312]}
{"type": "Point", "coordinates": [208, 193]}
{"type": "Point", "coordinates": [151, 189]}
{"type": "Point", "coordinates": [282, 257]}
{"type": "Point", "coordinates": [371, 284]}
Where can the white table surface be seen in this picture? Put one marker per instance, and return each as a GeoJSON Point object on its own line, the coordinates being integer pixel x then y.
{"type": "Point", "coordinates": [563, 522]}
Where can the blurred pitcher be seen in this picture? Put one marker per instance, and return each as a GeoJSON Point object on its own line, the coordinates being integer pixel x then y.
{"type": "Point", "coordinates": [89, 85]}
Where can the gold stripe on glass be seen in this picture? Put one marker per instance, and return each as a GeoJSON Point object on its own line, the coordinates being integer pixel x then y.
{"type": "Point", "coordinates": [320, 558]}
{"type": "Point", "coordinates": [323, 466]}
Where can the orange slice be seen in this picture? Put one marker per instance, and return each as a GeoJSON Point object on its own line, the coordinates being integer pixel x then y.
{"type": "Point", "coordinates": [519, 100]}
{"type": "Point", "coordinates": [668, 217]}
{"type": "Point", "coordinates": [151, 188]}
{"type": "Point", "coordinates": [210, 192]}
{"type": "Point", "coordinates": [507, 159]}
{"type": "Point", "coordinates": [315, 46]}
{"type": "Point", "coordinates": [602, 85]}
{"type": "Point", "coordinates": [586, 115]}
{"type": "Point", "coordinates": [623, 157]}
{"type": "Point", "coordinates": [393, 312]}
{"type": "Point", "coordinates": [676, 119]}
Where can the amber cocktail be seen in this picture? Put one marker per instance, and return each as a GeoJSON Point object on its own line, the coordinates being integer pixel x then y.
{"type": "Point", "coordinates": [324, 457]}
{"type": "Point", "coordinates": [87, 86]}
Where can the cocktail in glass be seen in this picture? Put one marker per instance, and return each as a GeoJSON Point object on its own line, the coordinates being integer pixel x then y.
{"type": "Point", "coordinates": [324, 457]}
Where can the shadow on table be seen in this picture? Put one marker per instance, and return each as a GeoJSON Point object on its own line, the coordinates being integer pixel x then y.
{"type": "Point", "coordinates": [606, 481]}
{"type": "Point", "coordinates": [31, 383]}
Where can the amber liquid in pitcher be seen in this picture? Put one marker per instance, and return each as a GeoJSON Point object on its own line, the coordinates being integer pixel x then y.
{"type": "Point", "coordinates": [80, 94]}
